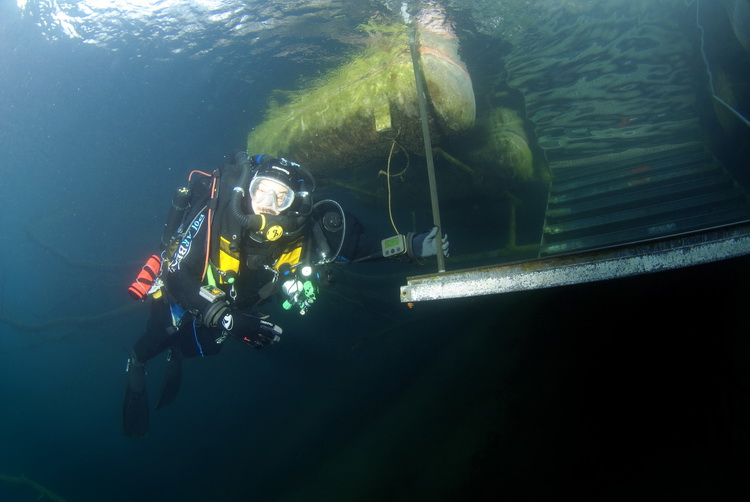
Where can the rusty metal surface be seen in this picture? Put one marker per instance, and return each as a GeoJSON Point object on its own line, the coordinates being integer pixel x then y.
{"type": "Point", "coordinates": [603, 265]}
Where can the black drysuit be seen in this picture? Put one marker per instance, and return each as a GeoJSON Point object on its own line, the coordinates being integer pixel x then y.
{"type": "Point", "coordinates": [183, 277]}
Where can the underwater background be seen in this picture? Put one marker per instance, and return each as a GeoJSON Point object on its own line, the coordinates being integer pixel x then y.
{"type": "Point", "coordinates": [633, 389]}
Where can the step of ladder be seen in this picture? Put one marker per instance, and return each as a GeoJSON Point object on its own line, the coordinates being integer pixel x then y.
{"type": "Point", "coordinates": [635, 197]}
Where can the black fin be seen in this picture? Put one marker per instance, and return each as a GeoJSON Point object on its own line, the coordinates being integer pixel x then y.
{"type": "Point", "coordinates": [170, 387]}
{"type": "Point", "coordinates": [135, 406]}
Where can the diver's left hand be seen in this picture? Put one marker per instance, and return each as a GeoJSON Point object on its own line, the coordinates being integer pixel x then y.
{"type": "Point", "coordinates": [425, 244]}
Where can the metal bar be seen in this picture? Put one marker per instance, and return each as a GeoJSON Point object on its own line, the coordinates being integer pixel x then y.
{"type": "Point", "coordinates": [614, 263]}
{"type": "Point", "coordinates": [419, 79]}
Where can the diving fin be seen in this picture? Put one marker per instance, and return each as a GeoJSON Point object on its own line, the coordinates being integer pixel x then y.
{"type": "Point", "coordinates": [170, 387]}
{"type": "Point", "coordinates": [135, 406]}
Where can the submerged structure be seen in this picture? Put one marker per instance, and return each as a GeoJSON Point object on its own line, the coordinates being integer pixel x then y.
{"type": "Point", "coordinates": [637, 185]}
{"type": "Point", "coordinates": [357, 112]}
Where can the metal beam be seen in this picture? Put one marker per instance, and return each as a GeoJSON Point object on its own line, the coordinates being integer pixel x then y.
{"type": "Point", "coordinates": [669, 254]}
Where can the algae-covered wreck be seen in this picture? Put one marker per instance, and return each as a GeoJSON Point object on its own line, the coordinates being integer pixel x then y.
{"type": "Point", "coordinates": [355, 113]}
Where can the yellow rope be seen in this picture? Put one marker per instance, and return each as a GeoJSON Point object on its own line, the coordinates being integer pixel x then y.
{"type": "Point", "coordinates": [388, 176]}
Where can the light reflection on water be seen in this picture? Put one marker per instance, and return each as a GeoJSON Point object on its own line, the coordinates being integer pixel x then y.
{"type": "Point", "coordinates": [175, 25]}
{"type": "Point", "coordinates": [197, 27]}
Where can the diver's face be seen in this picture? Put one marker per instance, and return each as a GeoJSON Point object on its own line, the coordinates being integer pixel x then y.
{"type": "Point", "coordinates": [270, 197]}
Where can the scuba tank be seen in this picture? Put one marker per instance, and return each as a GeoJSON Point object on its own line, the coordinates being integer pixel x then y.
{"type": "Point", "coordinates": [148, 281]}
{"type": "Point", "coordinates": [180, 205]}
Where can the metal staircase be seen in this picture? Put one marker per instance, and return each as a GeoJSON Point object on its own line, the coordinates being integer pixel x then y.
{"type": "Point", "coordinates": [638, 196]}
{"type": "Point", "coordinates": [615, 114]}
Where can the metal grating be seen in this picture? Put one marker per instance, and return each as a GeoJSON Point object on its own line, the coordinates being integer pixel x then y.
{"type": "Point", "coordinates": [637, 197]}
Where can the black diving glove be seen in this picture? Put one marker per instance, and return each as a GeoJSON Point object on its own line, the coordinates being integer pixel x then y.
{"type": "Point", "coordinates": [254, 331]}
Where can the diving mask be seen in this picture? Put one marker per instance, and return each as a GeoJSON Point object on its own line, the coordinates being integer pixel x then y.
{"type": "Point", "coordinates": [269, 195]}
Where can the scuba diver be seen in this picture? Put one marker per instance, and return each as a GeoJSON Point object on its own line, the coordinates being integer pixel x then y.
{"type": "Point", "coordinates": [243, 235]}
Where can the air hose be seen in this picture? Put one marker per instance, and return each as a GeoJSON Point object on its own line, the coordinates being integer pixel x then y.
{"type": "Point", "coordinates": [246, 221]}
